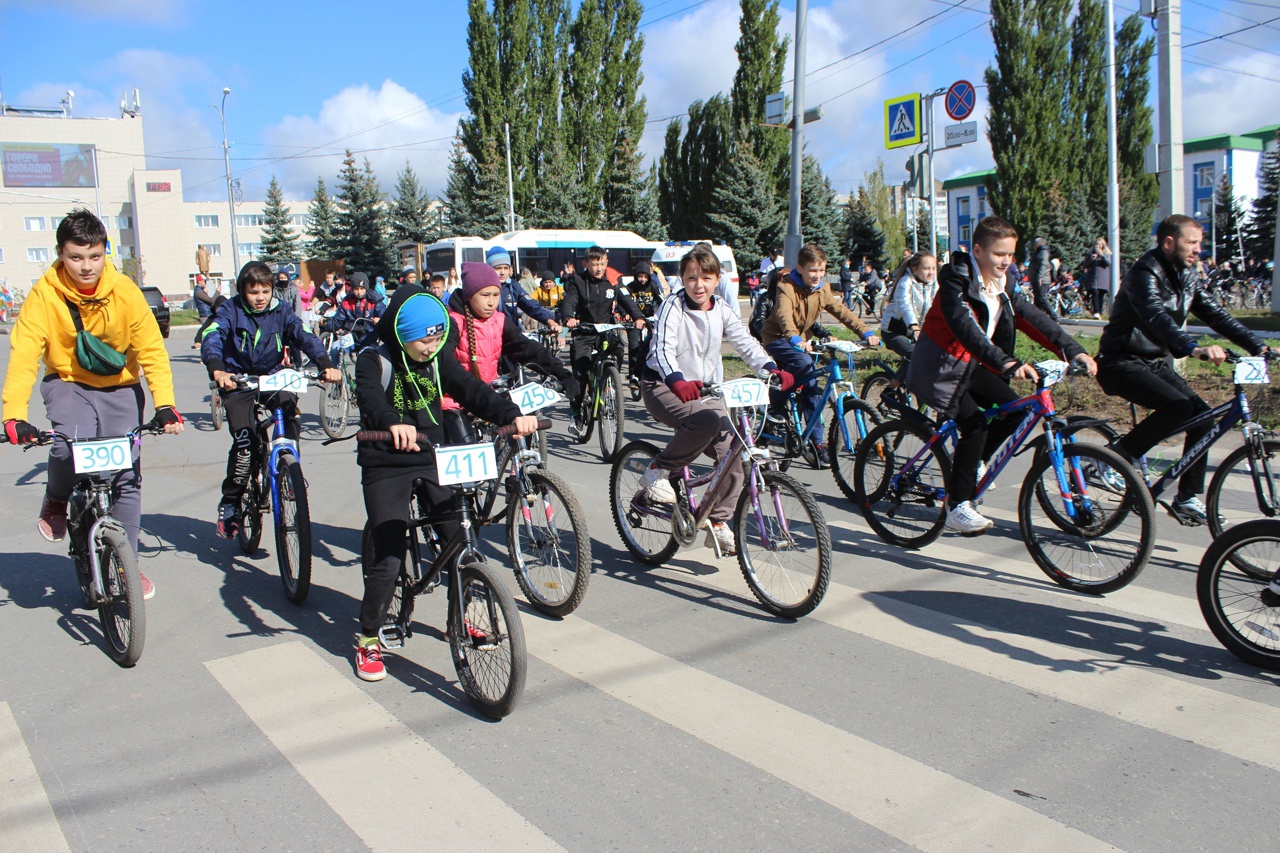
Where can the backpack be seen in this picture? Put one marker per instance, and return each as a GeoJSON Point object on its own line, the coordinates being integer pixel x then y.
{"type": "Point", "coordinates": [764, 307]}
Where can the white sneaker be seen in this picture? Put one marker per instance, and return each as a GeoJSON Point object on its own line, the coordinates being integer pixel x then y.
{"type": "Point", "coordinates": [656, 485]}
{"type": "Point", "coordinates": [967, 521]}
{"type": "Point", "coordinates": [720, 534]}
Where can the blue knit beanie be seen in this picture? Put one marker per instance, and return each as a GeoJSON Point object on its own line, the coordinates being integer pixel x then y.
{"type": "Point", "coordinates": [497, 256]}
{"type": "Point", "coordinates": [420, 316]}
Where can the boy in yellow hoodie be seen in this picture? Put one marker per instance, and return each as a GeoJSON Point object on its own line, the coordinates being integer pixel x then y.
{"type": "Point", "coordinates": [83, 290]}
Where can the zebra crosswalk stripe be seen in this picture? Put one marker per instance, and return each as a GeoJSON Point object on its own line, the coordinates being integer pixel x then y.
{"type": "Point", "coordinates": [27, 821]}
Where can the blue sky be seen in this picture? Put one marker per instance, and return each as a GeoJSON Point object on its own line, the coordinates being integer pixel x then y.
{"type": "Point", "coordinates": [309, 79]}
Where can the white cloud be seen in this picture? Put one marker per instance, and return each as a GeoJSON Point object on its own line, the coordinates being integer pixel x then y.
{"type": "Point", "coordinates": [1215, 102]}
{"type": "Point", "coordinates": [390, 118]}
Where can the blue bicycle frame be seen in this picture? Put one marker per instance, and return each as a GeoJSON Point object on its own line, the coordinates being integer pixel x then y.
{"type": "Point", "coordinates": [280, 445]}
{"type": "Point", "coordinates": [836, 385]}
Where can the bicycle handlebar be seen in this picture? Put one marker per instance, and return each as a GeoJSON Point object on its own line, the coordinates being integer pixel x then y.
{"type": "Point", "coordinates": [385, 435]}
{"type": "Point", "coordinates": [249, 382]}
{"type": "Point", "coordinates": [49, 436]}
{"type": "Point", "coordinates": [592, 328]}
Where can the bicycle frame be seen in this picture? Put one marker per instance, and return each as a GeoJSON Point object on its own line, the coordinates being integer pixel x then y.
{"type": "Point", "coordinates": [280, 445]}
{"type": "Point", "coordinates": [1227, 415]}
{"type": "Point", "coordinates": [837, 386]}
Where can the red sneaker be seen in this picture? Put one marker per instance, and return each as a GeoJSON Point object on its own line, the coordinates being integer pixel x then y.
{"type": "Point", "coordinates": [53, 520]}
{"type": "Point", "coordinates": [369, 665]}
{"type": "Point", "coordinates": [148, 588]}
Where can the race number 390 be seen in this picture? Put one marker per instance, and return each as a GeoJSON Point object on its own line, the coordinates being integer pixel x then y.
{"type": "Point", "coordinates": [95, 457]}
{"type": "Point", "coordinates": [466, 463]}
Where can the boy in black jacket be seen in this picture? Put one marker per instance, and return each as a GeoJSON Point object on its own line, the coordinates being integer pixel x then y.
{"type": "Point", "coordinates": [413, 333]}
{"type": "Point", "coordinates": [590, 298]}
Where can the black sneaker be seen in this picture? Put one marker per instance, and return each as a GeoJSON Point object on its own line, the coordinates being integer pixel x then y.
{"type": "Point", "coordinates": [775, 415]}
{"type": "Point", "coordinates": [820, 450]}
{"type": "Point", "coordinates": [228, 520]}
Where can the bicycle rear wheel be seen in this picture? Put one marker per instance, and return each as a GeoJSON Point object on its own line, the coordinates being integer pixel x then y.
{"type": "Point", "coordinates": [1104, 543]}
{"type": "Point", "coordinates": [335, 406]}
{"type": "Point", "coordinates": [122, 612]}
{"type": "Point", "coordinates": [293, 531]}
{"type": "Point", "coordinates": [784, 547]}
{"type": "Point", "coordinates": [549, 545]}
{"type": "Point", "coordinates": [904, 502]}
{"type": "Point", "coordinates": [612, 415]}
{"type": "Point", "coordinates": [645, 528]}
{"type": "Point", "coordinates": [855, 419]}
{"type": "Point", "coordinates": [1234, 603]}
{"type": "Point", "coordinates": [873, 387]}
{"type": "Point", "coordinates": [1233, 498]}
{"type": "Point", "coordinates": [487, 641]}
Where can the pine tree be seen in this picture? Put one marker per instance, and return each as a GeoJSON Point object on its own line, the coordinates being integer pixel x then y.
{"type": "Point", "coordinates": [1026, 89]}
{"type": "Point", "coordinates": [558, 204]}
{"type": "Point", "coordinates": [602, 85]}
{"type": "Point", "coordinates": [1260, 236]}
{"type": "Point", "coordinates": [627, 207]}
{"type": "Point", "coordinates": [1070, 227]}
{"type": "Point", "coordinates": [409, 219]}
{"type": "Point", "coordinates": [862, 237]}
{"type": "Point", "coordinates": [1137, 212]}
{"type": "Point", "coordinates": [1228, 221]}
{"type": "Point", "coordinates": [322, 225]}
{"type": "Point", "coordinates": [459, 190]}
{"type": "Point", "coordinates": [279, 240]}
{"type": "Point", "coordinates": [819, 216]}
{"type": "Point", "coordinates": [744, 210]}
{"type": "Point", "coordinates": [762, 56]}
{"type": "Point", "coordinates": [361, 221]}
{"type": "Point", "coordinates": [489, 201]}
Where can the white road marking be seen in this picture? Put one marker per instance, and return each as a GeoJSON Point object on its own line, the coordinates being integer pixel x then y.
{"type": "Point", "coordinates": [27, 821]}
{"type": "Point", "coordinates": [344, 743]}
{"type": "Point", "coordinates": [913, 802]}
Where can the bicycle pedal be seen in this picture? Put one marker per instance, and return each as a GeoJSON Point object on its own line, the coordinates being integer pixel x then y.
{"type": "Point", "coordinates": [391, 637]}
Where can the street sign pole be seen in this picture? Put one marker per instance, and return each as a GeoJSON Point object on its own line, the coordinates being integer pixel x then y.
{"type": "Point", "coordinates": [929, 129]}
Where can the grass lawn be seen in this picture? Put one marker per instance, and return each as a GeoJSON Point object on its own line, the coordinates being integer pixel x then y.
{"type": "Point", "coordinates": [183, 317]}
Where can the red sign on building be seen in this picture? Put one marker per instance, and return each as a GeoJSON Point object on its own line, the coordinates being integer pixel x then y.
{"type": "Point", "coordinates": [159, 187]}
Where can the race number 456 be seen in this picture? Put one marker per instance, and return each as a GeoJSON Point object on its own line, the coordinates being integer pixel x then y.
{"type": "Point", "coordinates": [532, 397]}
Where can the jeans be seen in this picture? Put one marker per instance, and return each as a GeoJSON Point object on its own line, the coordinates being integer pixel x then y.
{"type": "Point", "coordinates": [797, 363]}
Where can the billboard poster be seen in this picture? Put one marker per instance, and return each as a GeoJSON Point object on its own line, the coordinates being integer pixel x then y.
{"type": "Point", "coordinates": [28, 164]}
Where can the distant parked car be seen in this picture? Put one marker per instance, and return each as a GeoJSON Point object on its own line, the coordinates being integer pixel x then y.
{"type": "Point", "coordinates": [159, 307]}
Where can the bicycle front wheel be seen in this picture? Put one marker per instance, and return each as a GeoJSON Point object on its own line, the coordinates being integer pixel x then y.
{"type": "Point", "coordinates": [217, 413]}
{"type": "Point", "coordinates": [612, 413]}
{"type": "Point", "coordinates": [293, 532]}
{"type": "Point", "coordinates": [645, 527]}
{"type": "Point", "coordinates": [901, 484]}
{"type": "Point", "coordinates": [1236, 604]}
{"type": "Point", "coordinates": [251, 503]}
{"type": "Point", "coordinates": [855, 419]}
{"type": "Point", "coordinates": [122, 612]}
{"type": "Point", "coordinates": [1085, 535]}
{"type": "Point", "coordinates": [487, 641]}
{"type": "Point", "coordinates": [549, 545]}
{"type": "Point", "coordinates": [784, 547]}
{"type": "Point", "coordinates": [1235, 496]}
{"type": "Point", "coordinates": [335, 407]}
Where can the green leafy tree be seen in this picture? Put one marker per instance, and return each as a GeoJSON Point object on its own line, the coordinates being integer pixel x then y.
{"type": "Point", "coordinates": [879, 198]}
{"type": "Point", "coordinates": [410, 220]}
{"type": "Point", "coordinates": [1087, 108]}
{"type": "Point", "coordinates": [489, 201]}
{"type": "Point", "coordinates": [361, 221]}
{"type": "Point", "coordinates": [279, 240]}
{"type": "Point", "coordinates": [322, 221]}
{"type": "Point", "coordinates": [819, 216]}
{"type": "Point", "coordinates": [744, 211]}
{"type": "Point", "coordinates": [670, 196]}
{"type": "Point", "coordinates": [601, 88]}
{"type": "Point", "coordinates": [1026, 89]}
{"type": "Point", "coordinates": [627, 204]}
{"type": "Point", "coordinates": [862, 236]}
{"type": "Point", "coordinates": [690, 167]}
{"type": "Point", "coordinates": [762, 56]}
{"type": "Point", "coordinates": [1260, 236]}
{"type": "Point", "coordinates": [1137, 212]}
{"type": "Point", "coordinates": [1139, 191]}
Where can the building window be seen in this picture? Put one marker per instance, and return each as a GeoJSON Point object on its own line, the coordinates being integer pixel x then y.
{"type": "Point", "coordinates": [55, 221]}
{"type": "Point", "coordinates": [964, 234]}
{"type": "Point", "coordinates": [34, 223]}
{"type": "Point", "coordinates": [38, 255]}
{"type": "Point", "coordinates": [982, 206]}
{"type": "Point", "coordinates": [209, 221]}
{"type": "Point", "coordinates": [250, 220]}
{"type": "Point", "coordinates": [124, 223]}
{"type": "Point", "coordinates": [214, 249]}
{"type": "Point", "coordinates": [250, 250]}
{"type": "Point", "coordinates": [1204, 208]}
{"type": "Point", "coordinates": [125, 252]}
{"type": "Point", "coordinates": [298, 220]}
{"type": "Point", "coordinates": [1204, 176]}
{"type": "Point", "coordinates": [962, 206]}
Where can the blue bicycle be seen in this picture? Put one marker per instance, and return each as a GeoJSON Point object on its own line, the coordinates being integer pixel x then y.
{"type": "Point", "coordinates": [852, 418]}
{"type": "Point", "coordinates": [1085, 534]}
{"type": "Point", "coordinates": [277, 481]}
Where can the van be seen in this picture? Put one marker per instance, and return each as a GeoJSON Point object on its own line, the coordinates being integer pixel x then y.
{"type": "Point", "coordinates": [668, 255]}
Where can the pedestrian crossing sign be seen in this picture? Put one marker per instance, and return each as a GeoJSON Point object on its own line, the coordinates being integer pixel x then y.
{"type": "Point", "coordinates": [902, 121]}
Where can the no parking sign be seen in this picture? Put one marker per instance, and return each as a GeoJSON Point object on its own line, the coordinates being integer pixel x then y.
{"type": "Point", "coordinates": [960, 100]}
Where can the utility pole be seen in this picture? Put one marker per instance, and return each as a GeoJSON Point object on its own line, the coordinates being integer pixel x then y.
{"type": "Point", "coordinates": [1113, 177]}
{"type": "Point", "coordinates": [793, 241]}
{"type": "Point", "coordinates": [1275, 272]}
{"type": "Point", "coordinates": [511, 186]}
{"type": "Point", "coordinates": [1168, 16]}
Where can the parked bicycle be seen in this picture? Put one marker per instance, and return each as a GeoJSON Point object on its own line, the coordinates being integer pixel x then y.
{"type": "Point", "coordinates": [602, 399]}
{"type": "Point", "coordinates": [276, 481]}
{"type": "Point", "coordinates": [1242, 607]}
{"type": "Point", "coordinates": [339, 398]}
{"type": "Point", "coordinates": [1084, 535]}
{"type": "Point", "coordinates": [781, 536]}
{"type": "Point", "coordinates": [1065, 300]}
{"type": "Point", "coordinates": [106, 565]}
{"type": "Point", "coordinates": [485, 635]}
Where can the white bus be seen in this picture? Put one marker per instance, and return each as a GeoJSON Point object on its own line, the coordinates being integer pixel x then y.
{"type": "Point", "coordinates": [538, 249]}
{"type": "Point", "coordinates": [667, 258]}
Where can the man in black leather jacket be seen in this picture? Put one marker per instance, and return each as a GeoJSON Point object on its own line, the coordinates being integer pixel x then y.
{"type": "Point", "coordinates": [1144, 334]}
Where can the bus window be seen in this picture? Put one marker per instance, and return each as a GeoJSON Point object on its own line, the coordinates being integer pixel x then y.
{"type": "Point", "coordinates": [440, 260]}
{"type": "Point", "coordinates": [472, 256]}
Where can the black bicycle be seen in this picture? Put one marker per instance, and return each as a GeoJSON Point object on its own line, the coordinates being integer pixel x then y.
{"type": "Point", "coordinates": [486, 638]}
{"type": "Point", "coordinates": [1242, 607]}
{"type": "Point", "coordinates": [106, 565]}
{"type": "Point", "coordinates": [602, 399]}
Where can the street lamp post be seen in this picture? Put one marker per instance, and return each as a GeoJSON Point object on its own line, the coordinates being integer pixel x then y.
{"type": "Point", "coordinates": [231, 202]}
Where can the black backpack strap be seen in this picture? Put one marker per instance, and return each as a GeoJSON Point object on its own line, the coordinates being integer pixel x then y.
{"type": "Point", "coordinates": [75, 314]}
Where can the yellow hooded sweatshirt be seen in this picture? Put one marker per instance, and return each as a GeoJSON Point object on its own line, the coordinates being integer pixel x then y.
{"type": "Point", "coordinates": [116, 312]}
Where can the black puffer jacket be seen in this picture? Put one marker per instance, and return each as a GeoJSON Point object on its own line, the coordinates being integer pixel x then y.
{"type": "Point", "coordinates": [1153, 303]}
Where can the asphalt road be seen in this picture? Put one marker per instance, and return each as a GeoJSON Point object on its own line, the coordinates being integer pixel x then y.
{"type": "Point", "coordinates": [946, 699]}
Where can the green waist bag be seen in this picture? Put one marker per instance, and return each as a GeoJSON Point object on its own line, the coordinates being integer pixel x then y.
{"type": "Point", "coordinates": [94, 354]}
